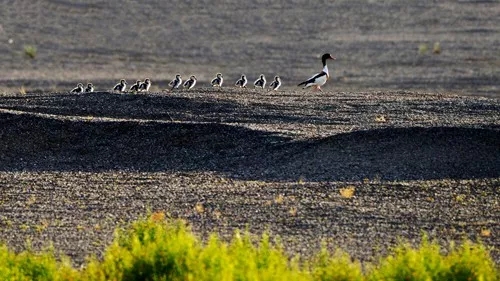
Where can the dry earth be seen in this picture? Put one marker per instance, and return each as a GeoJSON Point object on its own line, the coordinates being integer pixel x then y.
{"type": "Point", "coordinates": [376, 42]}
{"type": "Point", "coordinates": [73, 167]}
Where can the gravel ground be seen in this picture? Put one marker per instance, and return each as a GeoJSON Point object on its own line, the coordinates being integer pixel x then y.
{"type": "Point", "coordinates": [73, 167]}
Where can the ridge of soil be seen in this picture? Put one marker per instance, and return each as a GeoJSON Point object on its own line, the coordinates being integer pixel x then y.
{"type": "Point", "coordinates": [74, 167]}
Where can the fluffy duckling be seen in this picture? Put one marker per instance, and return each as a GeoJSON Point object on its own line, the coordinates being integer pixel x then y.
{"type": "Point", "coordinates": [217, 81]}
{"type": "Point", "coordinates": [276, 83]}
{"type": "Point", "coordinates": [176, 82]}
{"type": "Point", "coordinates": [144, 86]}
{"type": "Point", "coordinates": [261, 82]}
{"type": "Point", "coordinates": [189, 84]}
{"type": "Point", "coordinates": [120, 87]}
{"type": "Point", "coordinates": [78, 89]}
{"type": "Point", "coordinates": [90, 88]}
{"type": "Point", "coordinates": [135, 87]}
{"type": "Point", "coordinates": [242, 82]}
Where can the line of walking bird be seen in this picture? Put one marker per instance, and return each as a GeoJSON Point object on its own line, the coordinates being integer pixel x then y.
{"type": "Point", "coordinates": [315, 81]}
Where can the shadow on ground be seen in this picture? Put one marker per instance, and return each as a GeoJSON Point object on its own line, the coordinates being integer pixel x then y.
{"type": "Point", "coordinates": [167, 106]}
{"type": "Point", "coordinates": [34, 143]}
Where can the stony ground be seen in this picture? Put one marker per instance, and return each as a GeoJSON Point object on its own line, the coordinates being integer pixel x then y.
{"type": "Point", "coordinates": [358, 170]}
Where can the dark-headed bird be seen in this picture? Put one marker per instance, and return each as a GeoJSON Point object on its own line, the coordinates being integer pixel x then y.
{"type": "Point", "coordinates": [78, 89]}
{"type": "Point", "coordinates": [120, 87]}
{"type": "Point", "coordinates": [217, 81]}
{"type": "Point", "coordinates": [176, 82]}
{"type": "Point", "coordinates": [319, 79]}
{"type": "Point", "coordinates": [276, 84]}
{"type": "Point", "coordinates": [261, 82]}
{"type": "Point", "coordinates": [90, 88]}
{"type": "Point", "coordinates": [242, 82]}
{"type": "Point", "coordinates": [189, 84]}
{"type": "Point", "coordinates": [135, 87]}
{"type": "Point", "coordinates": [144, 86]}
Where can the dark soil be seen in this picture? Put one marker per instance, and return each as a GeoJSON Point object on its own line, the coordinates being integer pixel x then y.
{"type": "Point", "coordinates": [376, 43]}
{"type": "Point", "coordinates": [74, 167]}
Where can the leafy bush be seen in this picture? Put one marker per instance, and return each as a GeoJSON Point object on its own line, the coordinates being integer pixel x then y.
{"type": "Point", "coordinates": [34, 266]}
{"type": "Point", "coordinates": [159, 249]}
{"type": "Point", "coordinates": [151, 250]}
{"type": "Point", "coordinates": [467, 262]}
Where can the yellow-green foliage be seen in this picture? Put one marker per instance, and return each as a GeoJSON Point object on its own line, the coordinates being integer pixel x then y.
{"type": "Point", "coordinates": [155, 249]}
{"type": "Point", "coordinates": [338, 266]}
{"type": "Point", "coordinates": [34, 266]}
{"type": "Point", "coordinates": [30, 51]}
{"type": "Point", "coordinates": [467, 262]}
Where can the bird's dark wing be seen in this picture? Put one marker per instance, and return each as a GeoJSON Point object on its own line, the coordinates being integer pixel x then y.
{"type": "Point", "coordinates": [313, 78]}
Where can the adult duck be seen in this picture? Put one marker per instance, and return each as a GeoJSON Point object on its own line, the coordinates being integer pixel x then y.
{"type": "Point", "coordinates": [319, 79]}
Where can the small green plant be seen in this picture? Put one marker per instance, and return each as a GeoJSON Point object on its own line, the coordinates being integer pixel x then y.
{"type": "Point", "coordinates": [30, 51]}
{"type": "Point", "coordinates": [24, 227]}
{"type": "Point", "coordinates": [8, 223]}
{"type": "Point", "coordinates": [460, 198]}
{"type": "Point", "coordinates": [423, 48]}
{"type": "Point", "coordinates": [436, 49]}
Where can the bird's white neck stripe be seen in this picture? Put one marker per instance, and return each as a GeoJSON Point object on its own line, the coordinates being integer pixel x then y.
{"type": "Point", "coordinates": [325, 70]}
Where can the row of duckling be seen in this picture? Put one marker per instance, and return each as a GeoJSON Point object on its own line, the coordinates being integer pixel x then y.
{"type": "Point", "coordinates": [141, 86]}
{"type": "Point", "coordinates": [243, 81]}
{"type": "Point", "coordinates": [260, 82]}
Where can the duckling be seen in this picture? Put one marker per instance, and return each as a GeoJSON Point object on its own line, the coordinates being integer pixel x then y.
{"type": "Point", "coordinates": [190, 82]}
{"type": "Point", "coordinates": [78, 89]}
{"type": "Point", "coordinates": [176, 82]}
{"type": "Point", "coordinates": [276, 83]}
{"type": "Point", "coordinates": [261, 82]}
{"type": "Point", "coordinates": [242, 82]}
{"type": "Point", "coordinates": [120, 87]}
{"type": "Point", "coordinates": [217, 81]}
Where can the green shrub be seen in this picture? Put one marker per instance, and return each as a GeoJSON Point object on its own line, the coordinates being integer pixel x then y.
{"type": "Point", "coordinates": [467, 262]}
{"type": "Point", "coordinates": [338, 266]}
{"type": "Point", "coordinates": [159, 249]}
{"type": "Point", "coordinates": [33, 266]}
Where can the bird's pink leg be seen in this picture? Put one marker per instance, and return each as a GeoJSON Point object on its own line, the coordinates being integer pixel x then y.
{"type": "Point", "coordinates": [317, 88]}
